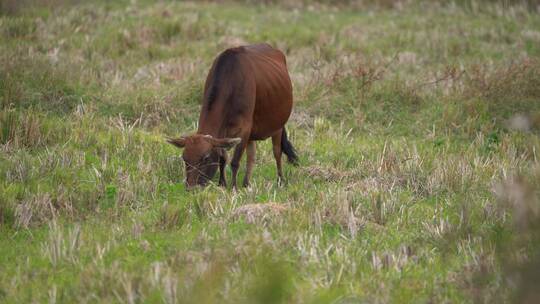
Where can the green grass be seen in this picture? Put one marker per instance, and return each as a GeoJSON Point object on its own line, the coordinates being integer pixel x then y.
{"type": "Point", "coordinates": [417, 127]}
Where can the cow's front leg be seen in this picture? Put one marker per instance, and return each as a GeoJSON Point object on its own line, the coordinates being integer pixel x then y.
{"type": "Point", "coordinates": [235, 162]}
{"type": "Point", "coordinates": [249, 162]}
{"type": "Point", "coordinates": [222, 164]}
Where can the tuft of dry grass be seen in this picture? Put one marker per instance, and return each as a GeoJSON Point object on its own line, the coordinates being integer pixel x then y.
{"type": "Point", "coordinates": [260, 213]}
{"type": "Point", "coordinates": [22, 130]}
{"type": "Point", "coordinates": [62, 246]}
{"type": "Point", "coordinates": [328, 174]}
{"type": "Point", "coordinates": [37, 210]}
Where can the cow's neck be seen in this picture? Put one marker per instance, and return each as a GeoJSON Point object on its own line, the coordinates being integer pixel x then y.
{"type": "Point", "coordinates": [212, 122]}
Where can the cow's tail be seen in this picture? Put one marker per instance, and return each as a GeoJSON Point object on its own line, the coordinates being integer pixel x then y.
{"type": "Point", "coordinates": [288, 149]}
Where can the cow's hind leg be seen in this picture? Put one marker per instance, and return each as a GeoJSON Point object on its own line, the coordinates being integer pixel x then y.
{"type": "Point", "coordinates": [249, 162]}
{"type": "Point", "coordinates": [276, 146]}
{"type": "Point", "coordinates": [235, 161]}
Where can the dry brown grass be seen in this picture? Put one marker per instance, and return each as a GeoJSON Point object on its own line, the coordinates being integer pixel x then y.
{"type": "Point", "coordinates": [260, 213]}
{"type": "Point", "coordinates": [37, 210]}
{"type": "Point", "coordinates": [22, 130]}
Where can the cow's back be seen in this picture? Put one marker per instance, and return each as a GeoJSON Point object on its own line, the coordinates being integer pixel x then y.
{"type": "Point", "coordinates": [248, 89]}
{"type": "Point", "coordinates": [274, 98]}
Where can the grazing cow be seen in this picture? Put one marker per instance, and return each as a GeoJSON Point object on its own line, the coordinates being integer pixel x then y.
{"type": "Point", "coordinates": [247, 97]}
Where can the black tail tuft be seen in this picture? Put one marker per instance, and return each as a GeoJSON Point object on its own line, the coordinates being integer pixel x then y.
{"type": "Point", "coordinates": [288, 149]}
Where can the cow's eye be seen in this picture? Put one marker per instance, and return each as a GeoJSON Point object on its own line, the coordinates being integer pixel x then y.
{"type": "Point", "coordinates": [206, 157]}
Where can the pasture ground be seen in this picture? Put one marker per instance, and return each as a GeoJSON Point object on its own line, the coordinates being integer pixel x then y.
{"type": "Point", "coordinates": [416, 124]}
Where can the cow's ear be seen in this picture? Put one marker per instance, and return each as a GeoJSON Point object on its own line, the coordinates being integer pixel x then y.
{"type": "Point", "coordinates": [178, 142]}
{"type": "Point", "coordinates": [226, 143]}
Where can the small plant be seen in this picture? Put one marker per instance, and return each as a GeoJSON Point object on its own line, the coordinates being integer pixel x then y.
{"type": "Point", "coordinates": [172, 216]}
{"type": "Point", "coordinates": [59, 248]}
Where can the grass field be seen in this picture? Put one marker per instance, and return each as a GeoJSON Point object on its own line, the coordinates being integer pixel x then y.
{"type": "Point", "coordinates": [417, 125]}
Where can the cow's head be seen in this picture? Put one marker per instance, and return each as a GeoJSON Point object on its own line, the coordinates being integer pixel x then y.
{"type": "Point", "coordinates": [201, 156]}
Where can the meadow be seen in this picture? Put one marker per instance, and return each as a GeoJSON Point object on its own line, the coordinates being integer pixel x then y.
{"type": "Point", "coordinates": [416, 123]}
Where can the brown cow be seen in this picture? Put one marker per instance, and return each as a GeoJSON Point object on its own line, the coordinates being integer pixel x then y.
{"type": "Point", "coordinates": [247, 97]}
